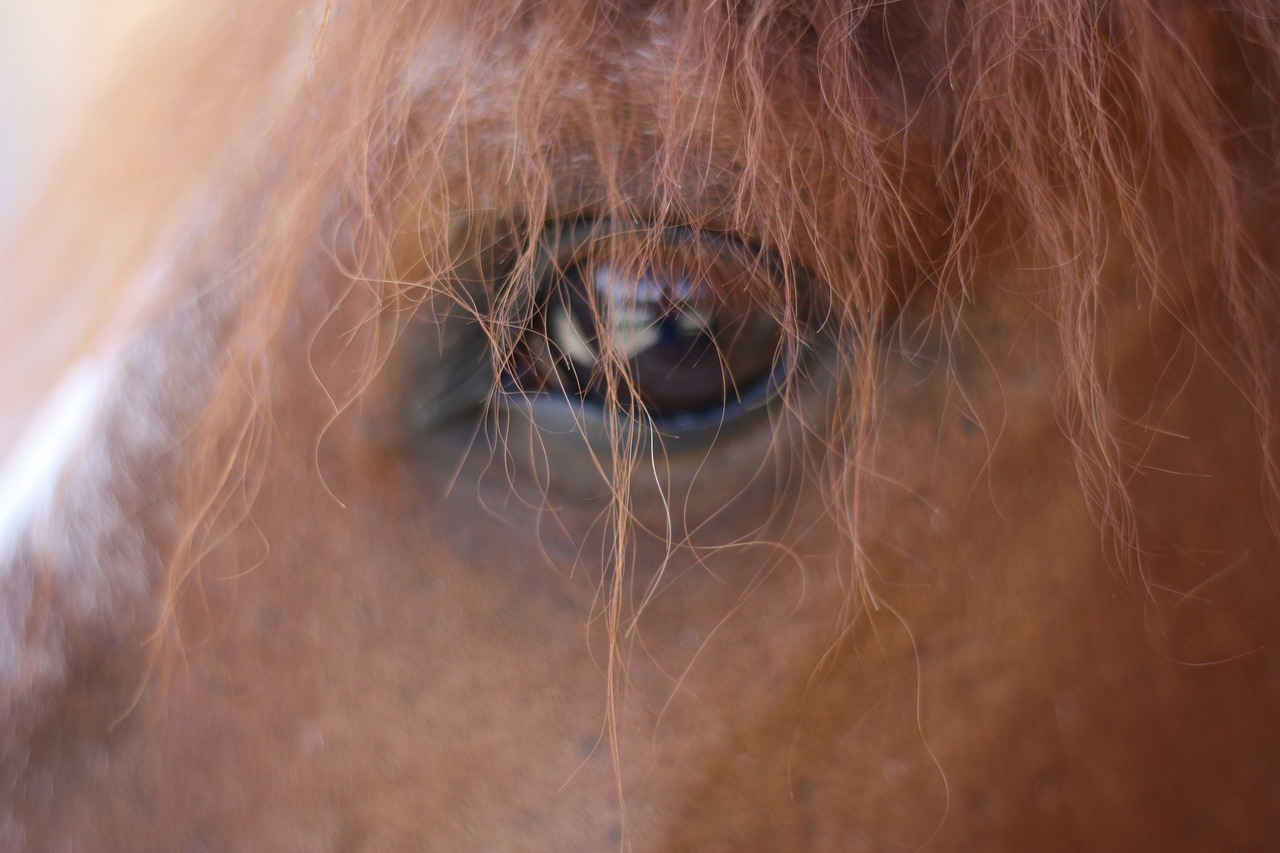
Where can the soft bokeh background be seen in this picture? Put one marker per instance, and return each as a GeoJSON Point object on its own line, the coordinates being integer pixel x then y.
{"type": "Point", "coordinates": [54, 56]}
{"type": "Point", "coordinates": [53, 53]}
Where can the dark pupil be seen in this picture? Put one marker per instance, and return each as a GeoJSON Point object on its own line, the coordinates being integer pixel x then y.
{"type": "Point", "coordinates": [684, 349]}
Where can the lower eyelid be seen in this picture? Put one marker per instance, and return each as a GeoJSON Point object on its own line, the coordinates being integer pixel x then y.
{"type": "Point", "coordinates": [561, 452]}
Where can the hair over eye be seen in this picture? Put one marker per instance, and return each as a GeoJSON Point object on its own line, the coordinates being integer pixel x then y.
{"type": "Point", "coordinates": [681, 325]}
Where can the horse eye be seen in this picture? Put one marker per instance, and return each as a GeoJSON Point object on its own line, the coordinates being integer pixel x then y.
{"type": "Point", "coordinates": [675, 332]}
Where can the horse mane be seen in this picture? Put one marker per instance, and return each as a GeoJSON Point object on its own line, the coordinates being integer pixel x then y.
{"type": "Point", "coordinates": [895, 152]}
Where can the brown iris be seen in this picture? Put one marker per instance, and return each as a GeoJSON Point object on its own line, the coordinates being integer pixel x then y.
{"type": "Point", "coordinates": [674, 327]}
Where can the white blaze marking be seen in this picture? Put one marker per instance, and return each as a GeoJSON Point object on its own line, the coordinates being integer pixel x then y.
{"type": "Point", "coordinates": [31, 471]}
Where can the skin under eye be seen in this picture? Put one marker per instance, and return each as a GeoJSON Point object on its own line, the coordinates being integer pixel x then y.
{"type": "Point", "coordinates": [674, 328]}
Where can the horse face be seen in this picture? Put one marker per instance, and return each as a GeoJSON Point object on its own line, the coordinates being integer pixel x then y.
{"type": "Point", "coordinates": [412, 534]}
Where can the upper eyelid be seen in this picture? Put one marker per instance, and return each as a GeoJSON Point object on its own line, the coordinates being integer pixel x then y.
{"type": "Point", "coordinates": [561, 240]}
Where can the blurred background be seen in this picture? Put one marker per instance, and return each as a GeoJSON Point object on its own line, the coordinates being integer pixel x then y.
{"type": "Point", "coordinates": [53, 54]}
{"type": "Point", "coordinates": [54, 57]}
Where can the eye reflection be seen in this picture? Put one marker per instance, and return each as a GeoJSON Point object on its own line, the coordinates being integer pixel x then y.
{"type": "Point", "coordinates": [683, 332]}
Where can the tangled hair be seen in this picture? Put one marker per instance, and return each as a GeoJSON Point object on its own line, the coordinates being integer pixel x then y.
{"type": "Point", "coordinates": [891, 156]}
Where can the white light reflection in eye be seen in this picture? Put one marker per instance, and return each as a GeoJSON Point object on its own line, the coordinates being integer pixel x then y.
{"type": "Point", "coordinates": [685, 332]}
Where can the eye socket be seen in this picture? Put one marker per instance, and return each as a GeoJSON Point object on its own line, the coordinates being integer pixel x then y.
{"type": "Point", "coordinates": [678, 326]}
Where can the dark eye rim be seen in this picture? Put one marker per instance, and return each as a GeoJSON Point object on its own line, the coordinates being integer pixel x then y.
{"type": "Point", "coordinates": [560, 411]}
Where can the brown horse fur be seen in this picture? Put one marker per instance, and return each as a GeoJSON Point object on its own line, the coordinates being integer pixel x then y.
{"type": "Point", "coordinates": [1003, 579]}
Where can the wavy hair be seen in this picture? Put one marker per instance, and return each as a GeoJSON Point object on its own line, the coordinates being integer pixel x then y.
{"type": "Point", "coordinates": [892, 156]}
